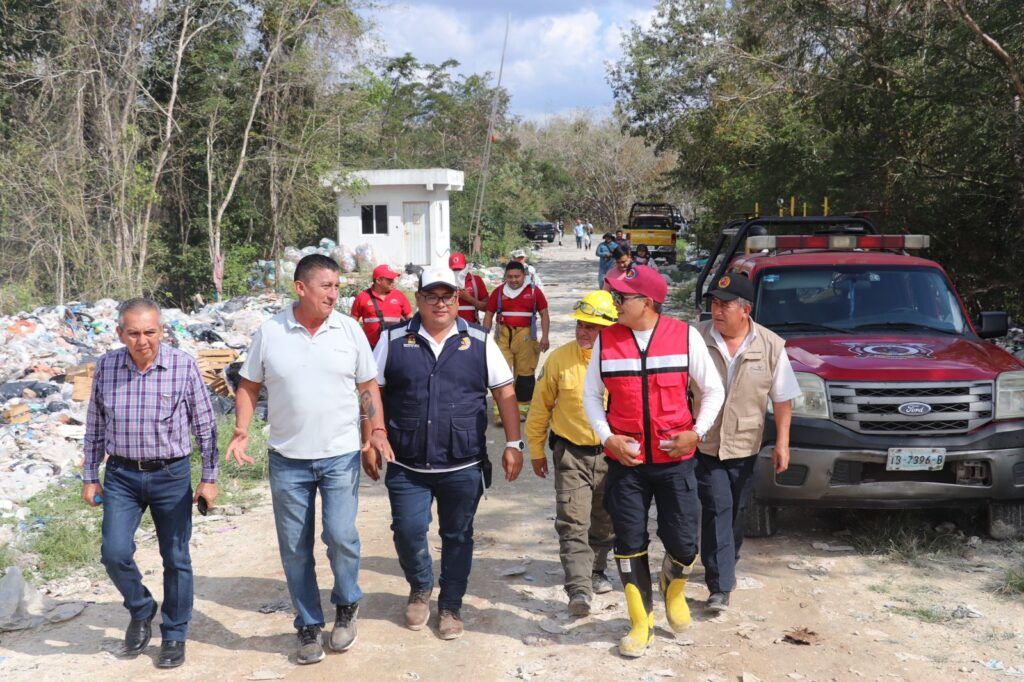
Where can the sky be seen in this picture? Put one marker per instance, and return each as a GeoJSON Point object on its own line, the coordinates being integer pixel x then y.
{"type": "Point", "coordinates": [557, 50]}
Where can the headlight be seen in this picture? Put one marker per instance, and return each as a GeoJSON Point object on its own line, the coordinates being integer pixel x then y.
{"type": "Point", "coordinates": [1010, 395]}
{"type": "Point", "coordinates": [813, 400]}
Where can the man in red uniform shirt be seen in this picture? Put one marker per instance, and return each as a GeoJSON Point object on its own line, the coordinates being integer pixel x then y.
{"type": "Point", "coordinates": [473, 294]}
{"type": "Point", "coordinates": [515, 307]}
{"type": "Point", "coordinates": [381, 305]}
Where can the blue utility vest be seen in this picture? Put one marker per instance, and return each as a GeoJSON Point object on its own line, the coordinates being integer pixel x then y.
{"type": "Point", "coordinates": [436, 409]}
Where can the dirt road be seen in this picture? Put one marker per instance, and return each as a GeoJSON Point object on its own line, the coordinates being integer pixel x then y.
{"type": "Point", "coordinates": [869, 613]}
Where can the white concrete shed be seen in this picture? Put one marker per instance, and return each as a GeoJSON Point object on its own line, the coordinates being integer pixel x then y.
{"type": "Point", "coordinates": [403, 214]}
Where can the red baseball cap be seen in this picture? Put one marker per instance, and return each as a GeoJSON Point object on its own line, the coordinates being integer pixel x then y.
{"type": "Point", "coordinates": [384, 271]}
{"type": "Point", "coordinates": [457, 261]}
{"type": "Point", "coordinates": [640, 280]}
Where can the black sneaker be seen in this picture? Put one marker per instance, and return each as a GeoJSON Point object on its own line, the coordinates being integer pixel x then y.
{"type": "Point", "coordinates": [579, 604]}
{"type": "Point", "coordinates": [310, 648]}
{"type": "Point", "coordinates": [599, 583]}
{"type": "Point", "coordinates": [718, 601]}
{"type": "Point", "coordinates": [343, 636]}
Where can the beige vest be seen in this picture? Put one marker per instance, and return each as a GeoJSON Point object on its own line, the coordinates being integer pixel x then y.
{"type": "Point", "coordinates": [739, 427]}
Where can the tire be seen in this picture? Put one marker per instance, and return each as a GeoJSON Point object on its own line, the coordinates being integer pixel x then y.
{"type": "Point", "coordinates": [760, 520]}
{"type": "Point", "coordinates": [550, 239]}
{"type": "Point", "coordinates": [1005, 520]}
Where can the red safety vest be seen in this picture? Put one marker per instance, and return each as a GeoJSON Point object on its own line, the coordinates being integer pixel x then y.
{"type": "Point", "coordinates": [647, 392]}
{"type": "Point", "coordinates": [466, 311]}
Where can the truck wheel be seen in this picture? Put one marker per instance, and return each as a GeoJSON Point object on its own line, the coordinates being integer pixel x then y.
{"type": "Point", "coordinates": [550, 239]}
{"type": "Point", "coordinates": [1005, 520]}
{"type": "Point", "coordinates": [760, 520]}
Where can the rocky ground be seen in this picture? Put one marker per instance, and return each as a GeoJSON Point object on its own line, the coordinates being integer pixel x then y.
{"type": "Point", "coordinates": [808, 607]}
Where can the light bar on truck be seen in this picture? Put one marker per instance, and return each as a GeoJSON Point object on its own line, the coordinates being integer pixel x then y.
{"type": "Point", "coordinates": [839, 242]}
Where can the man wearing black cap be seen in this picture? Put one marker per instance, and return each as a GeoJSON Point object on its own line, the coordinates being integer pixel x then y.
{"type": "Point", "coordinates": [752, 363]}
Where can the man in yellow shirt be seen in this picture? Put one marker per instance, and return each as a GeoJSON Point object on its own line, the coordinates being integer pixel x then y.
{"type": "Point", "coordinates": [584, 528]}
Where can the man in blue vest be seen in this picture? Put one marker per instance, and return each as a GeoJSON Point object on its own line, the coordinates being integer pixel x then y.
{"type": "Point", "coordinates": [435, 371]}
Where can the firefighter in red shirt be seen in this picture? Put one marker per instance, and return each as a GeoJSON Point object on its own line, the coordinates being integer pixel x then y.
{"type": "Point", "coordinates": [381, 305]}
{"type": "Point", "coordinates": [515, 307]}
{"type": "Point", "coordinates": [473, 294]}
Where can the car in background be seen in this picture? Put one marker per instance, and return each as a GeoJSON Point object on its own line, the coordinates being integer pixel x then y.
{"type": "Point", "coordinates": [539, 231]}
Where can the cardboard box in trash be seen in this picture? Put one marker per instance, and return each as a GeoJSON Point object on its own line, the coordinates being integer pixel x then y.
{"type": "Point", "coordinates": [80, 377]}
{"type": "Point", "coordinates": [17, 414]}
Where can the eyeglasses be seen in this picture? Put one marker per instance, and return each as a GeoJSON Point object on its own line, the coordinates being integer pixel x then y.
{"type": "Point", "coordinates": [588, 309]}
{"type": "Point", "coordinates": [434, 299]}
{"type": "Point", "coordinates": [619, 299]}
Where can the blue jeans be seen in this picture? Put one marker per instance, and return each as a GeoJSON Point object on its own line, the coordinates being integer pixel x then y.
{"type": "Point", "coordinates": [168, 494]}
{"type": "Point", "coordinates": [724, 487]}
{"type": "Point", "coordinates": [458, 494]}
{"type": "Point", "coordinates": [293, 487]}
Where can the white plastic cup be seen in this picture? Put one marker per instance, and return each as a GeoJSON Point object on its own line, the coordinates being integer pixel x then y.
{"type": "Point", "coordinates": [634, 448]}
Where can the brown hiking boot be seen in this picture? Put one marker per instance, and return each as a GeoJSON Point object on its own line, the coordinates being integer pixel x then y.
{"type": "Point", "coordinates": [417, 612]}
{"type": "Point", "coordinates": [450, 626]}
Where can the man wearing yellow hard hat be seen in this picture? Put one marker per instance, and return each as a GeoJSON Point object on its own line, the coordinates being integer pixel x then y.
{"type": "Point", "coordinates": [584, 528]}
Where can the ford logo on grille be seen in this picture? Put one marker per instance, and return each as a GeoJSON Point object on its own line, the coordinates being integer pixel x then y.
{"type": "Point", "coordinates": [914, 409]}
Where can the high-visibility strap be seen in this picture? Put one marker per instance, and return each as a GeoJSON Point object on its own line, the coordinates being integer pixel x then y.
{"type": "Point", "coordinates": [668, 362]}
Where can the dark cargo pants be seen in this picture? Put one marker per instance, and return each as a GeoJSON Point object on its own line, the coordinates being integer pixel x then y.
{"type": "Point", "coordinates": [584, 528]}
{"type": "Point", "coordinates": [724, 487]}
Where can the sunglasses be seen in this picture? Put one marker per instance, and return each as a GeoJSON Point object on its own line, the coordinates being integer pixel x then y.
{"type": "Point", "coordinates": [619, 299]}
{"type": "Point", "coordinates": [588, 309]}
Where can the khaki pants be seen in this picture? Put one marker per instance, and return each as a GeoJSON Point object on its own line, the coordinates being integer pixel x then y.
{"type": "Point", "coordinates": [521, 353]}
{"type": "Point", "coordinates": [584, 528]}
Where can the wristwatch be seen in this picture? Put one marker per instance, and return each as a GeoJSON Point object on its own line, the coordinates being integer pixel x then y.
{"type": "Point", "coordinates": [519, 445]}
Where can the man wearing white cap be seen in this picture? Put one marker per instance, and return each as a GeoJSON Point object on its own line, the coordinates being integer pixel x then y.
{"type": "Point", "coordinates": [519, 255]}
{"type": "Point", "coordinates": [435, 373]}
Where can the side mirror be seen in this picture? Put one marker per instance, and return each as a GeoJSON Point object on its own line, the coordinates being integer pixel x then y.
{"type": "Point", "coordinates": [992, 324]}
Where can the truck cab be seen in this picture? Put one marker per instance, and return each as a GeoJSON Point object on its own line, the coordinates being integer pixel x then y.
{"type": "Point", "coordinates": [657, 226]}
{"type": "Point", "coordinates": [905, 402]}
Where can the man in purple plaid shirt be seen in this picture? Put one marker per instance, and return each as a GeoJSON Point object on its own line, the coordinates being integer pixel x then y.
{"type": "Point", "coordinates": [145, 399]}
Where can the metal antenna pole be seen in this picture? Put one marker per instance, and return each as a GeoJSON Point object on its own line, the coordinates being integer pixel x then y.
{"type": "Point", "coordinates": [478, 205]}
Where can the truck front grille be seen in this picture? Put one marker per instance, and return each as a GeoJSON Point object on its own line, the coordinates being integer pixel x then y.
{"type": "Point", "coordinates": [953, 407]}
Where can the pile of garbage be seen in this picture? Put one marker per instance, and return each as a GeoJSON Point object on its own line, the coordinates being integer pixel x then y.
{"type": "Point", "coordinates": [46, 360]}
{"type": "Point", "coordinates": [1013, 342]}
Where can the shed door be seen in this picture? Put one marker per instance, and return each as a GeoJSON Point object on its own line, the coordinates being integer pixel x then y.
{"type": "Point", "coordinates": [416, 216]}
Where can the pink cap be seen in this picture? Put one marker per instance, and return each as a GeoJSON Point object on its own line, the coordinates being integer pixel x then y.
{"type": "Point", "coordinates": [384, 271]}
{"type": "Point", "coordinates": [640, 280]}
{"type": "Point", "coordinates": [457, 261]}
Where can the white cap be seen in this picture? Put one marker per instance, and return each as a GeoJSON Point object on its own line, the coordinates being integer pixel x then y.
{"type": "Point", "coordinates": [433, 276]}
{"type": "Point", "coordinates": [519, 253]}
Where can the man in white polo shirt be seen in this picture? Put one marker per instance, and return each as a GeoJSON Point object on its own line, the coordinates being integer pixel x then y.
{"type": "Point", "coordinates": [320, 377]}
{"type": "Point", "coordinates": [436, 371]}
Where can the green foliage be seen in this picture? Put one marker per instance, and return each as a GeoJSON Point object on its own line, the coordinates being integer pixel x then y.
{"type": "Point", "coordinates": [898, 111]}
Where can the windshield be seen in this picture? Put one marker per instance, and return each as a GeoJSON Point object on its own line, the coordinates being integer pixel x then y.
{"type": "Point", "coordinates": [858, 298]}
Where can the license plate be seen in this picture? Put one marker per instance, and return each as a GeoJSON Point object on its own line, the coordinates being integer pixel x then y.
{"type": "Point", "coordinates": [915, 459]}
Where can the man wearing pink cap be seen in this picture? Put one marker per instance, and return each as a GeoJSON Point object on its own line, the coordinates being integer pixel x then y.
{"type": "Point", "coordinates": [473, 294]}
{"type": "Point", "coordinates": [381, 305]}
{"type": "Point", "coordinates": [646, 363]}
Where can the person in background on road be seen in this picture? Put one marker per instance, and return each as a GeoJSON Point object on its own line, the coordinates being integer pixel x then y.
{"type": "Point", "coordinates": [623, 263]}
{"type": "Point", "coordinates": [512, 312]}
{"type": "Point", "coordinates": [381, 305]}
{"type": "Point", "coordinates": [752, 364]}
{"type": "Point", "coordinates": [622, 242]}
{"type": "Point", "coordinates": [321, 382]}
{"type": "Point", "coordinates": [643, 256]}
{"type": "Point", "coordinates": [145, 398]}
{"type": "Point", "coordinates": [584, 529]}
{"type": "Point", "coordinates": [435, 373]}
{"type": "Point", "coordinates": [579, 230]}
{"type": "Point", "coordinates": [560, 229]}
{"type": "Point", "coordinates": [519, 255]}
{"type": "Point", "coordinates": [588, 235]}
{"type": "Point", "coordinates": [646, 363]}
{"type": "Point", "coordinates": [473, 292]}
{"type": "Point", "coordinates": [605, 259]}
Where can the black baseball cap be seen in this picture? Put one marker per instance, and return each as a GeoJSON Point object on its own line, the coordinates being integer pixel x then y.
{"type": "Point", "coordinates": [732, 286]}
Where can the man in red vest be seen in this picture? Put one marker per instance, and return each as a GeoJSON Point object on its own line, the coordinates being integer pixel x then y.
{"type": "Point", "coordinates": [515, 308]}
{"type": "Point", "coordinates": [381, 305]}
{"type": "Point", "coordinates": [646, 362]}
{"type": "Point", "coordinates": [473, 294]}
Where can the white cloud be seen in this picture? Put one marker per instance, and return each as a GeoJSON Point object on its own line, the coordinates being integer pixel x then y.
{"type": "Point", "coordinates": [555, 61]}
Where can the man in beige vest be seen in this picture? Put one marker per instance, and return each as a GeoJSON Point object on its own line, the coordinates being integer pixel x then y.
{"type": "Point", "coordinates": [754, 367]}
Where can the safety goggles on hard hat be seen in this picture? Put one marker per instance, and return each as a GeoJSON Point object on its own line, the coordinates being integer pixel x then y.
{"type": "Point", "coordinates": [588, 309]}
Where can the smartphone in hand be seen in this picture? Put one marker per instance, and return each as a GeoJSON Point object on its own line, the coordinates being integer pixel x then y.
{"type": "Point", "coordinates": [203, 505]}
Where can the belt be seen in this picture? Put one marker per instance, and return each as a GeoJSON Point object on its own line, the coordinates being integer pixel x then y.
{"type": "Point", "coordinates": [144, 464]}
{"type": "Point", "coordinates": [590, 449]}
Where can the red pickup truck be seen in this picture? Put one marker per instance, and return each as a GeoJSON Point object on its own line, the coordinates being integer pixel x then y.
{"type": "Point", "coordinates": [905, 404]}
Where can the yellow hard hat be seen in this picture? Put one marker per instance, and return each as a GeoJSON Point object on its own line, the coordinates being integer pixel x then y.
{"type": "Point", "coordinates": [596, 308]}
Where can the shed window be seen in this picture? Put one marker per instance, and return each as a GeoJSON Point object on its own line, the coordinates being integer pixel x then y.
{"type": "Point", "coordinates": [375, 219]}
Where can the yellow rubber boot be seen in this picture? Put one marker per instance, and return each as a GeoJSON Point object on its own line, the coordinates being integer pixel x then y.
{"type": "Point", "coordinates": [672, 584]}
{"type": "Point", "coordinates": [524, 409]}
{"type": "Point", "coordinates": [635, 572]}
